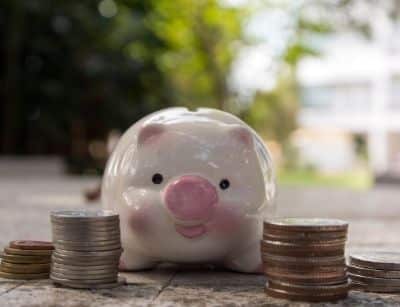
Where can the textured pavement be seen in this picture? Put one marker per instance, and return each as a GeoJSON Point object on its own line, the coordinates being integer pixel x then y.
{"type": "Point", "coordinates": [26, 200]}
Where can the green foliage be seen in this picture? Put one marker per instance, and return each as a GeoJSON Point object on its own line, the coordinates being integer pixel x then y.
{"type": "Point", "coordinates": [71, 74]}
{"type": "Point", "coordinates": [273, 113]}
{"type": "Point", "coordinates": [200, 38]}
{"type": "Point", "coordinates": [356, 180]}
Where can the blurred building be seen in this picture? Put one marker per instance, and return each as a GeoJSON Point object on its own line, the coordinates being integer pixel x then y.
{"type": "Point", "coordinates": [349, 96]}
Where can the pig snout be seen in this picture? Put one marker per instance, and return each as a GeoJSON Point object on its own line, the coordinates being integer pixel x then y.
{"type": "Point", "coordinates": [191, 198]}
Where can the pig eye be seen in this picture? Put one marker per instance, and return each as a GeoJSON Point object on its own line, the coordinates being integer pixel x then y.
{"type": "Point", "coordinates": [157, 178]}
{"type": "Point", "coordinates": [224, 184]}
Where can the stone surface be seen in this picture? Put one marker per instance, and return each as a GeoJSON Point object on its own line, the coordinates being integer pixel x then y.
{"type": "Point", "coordinates": [26, 202]}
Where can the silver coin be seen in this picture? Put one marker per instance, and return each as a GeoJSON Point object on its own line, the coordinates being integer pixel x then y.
{"type": "Point", "coordinates": [88, 243]}
{"type": "Point", "coordinates": [87, 232]}
{"type": "Point", "coordinates": [84, 279]}
{"type": "Point", "coordinates": [88, 258]}
{"type": "Point", "coordinates": [84, 214]}
{"type": "Point", "coordinates": [84, 237]}
{"type": "Point", "coordinates": [121, 281]}
{"type": "Point", "coordinates": [373, 272]}
{"type": "Point", "coordinates": [81, 268]}
{"type": "Point", "coordinates": [90, 226]}
{"type": "Point", "coordinates": [87, 248]}
{"type": "Point", "coordinates": [375, 281]}
{"type": "Point", "coordinates": [377, 260]}
{"type": "Point", "coordinates": [370, 288]}
{"type": "Point", "coordinates": [76, 239]}
{"type": "Point", "coordinates": [85, 274]}
{"type": "Point", "coordinates": [86, 225]}
{"type": "Point", "coordinates": [64, 252]}
{"type": "Point", "coordinates": [85, 262]}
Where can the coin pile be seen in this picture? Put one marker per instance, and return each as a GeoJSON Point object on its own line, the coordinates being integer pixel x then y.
{"type": "Point", "coordinates": [87, 249]}
{"type": "Point", "coordinates": [304, 259]}
{"type": "Point", "coordinates": [375, 272]}
{"type": "Point", "coordinates": [26, 260]}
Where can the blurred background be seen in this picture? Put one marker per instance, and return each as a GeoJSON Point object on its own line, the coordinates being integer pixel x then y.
{"type": "Point", "coordinates": [319, 80]}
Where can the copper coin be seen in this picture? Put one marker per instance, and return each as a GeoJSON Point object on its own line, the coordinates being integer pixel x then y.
{"type": "Point", "coordinates": [303, 245]}
{"type": "Point", "coordinates": [31, 245]}
{"type": "Point", "coordinates": [276, 293]}
{"type": "Point", "coordinates": [299, 268]}
{"type": "Point", "coordinates": [304, 261]}
{"type": "Point", "coordinates": [306, 224]}
{"type": "Point", "coordinates": [27, 252]}
{"type": "Point", "coordinates": [293, 287]}
{"type": "Point", "coordinates": [375, 281]}
{"type": "Point", "coordinates": [304, 235]}
{"type": "Point", "coordinates": [377, 260]}
{"type": "Point", "coordinates": [307, 278]}
{"type": "Point", "coordinates": [304, 240]}
{"type": "Point", "coordinates": [307, 269]}
{"type": "Point", "coordinates": [289, 249]}
{"type": "Point", "coordinates": [373, 272]}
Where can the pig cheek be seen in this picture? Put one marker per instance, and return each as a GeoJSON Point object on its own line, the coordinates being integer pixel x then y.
{"type": "Point", "coordinates": [139, 220]}
{"type": "Point", "coordinates": [225, 220]}
{"type": "Point", "coordinates": [122, 265]}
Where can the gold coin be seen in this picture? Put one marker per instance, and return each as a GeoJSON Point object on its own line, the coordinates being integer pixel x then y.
{"type": "Point", "coordinates": [42, 266]}
{"type": "Point", "coordinates": [27, 252]}
{"type": "Point", "coordinates": [25, 270]}
{"type": "Point", "coordinates": [24, 276]}
{"type": "Point", "coordinates": [25, 259]}
{"type": "Point", "coordinates": [27, 244]}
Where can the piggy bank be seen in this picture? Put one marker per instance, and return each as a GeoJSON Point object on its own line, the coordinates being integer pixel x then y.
{"type": "Point", "coordinates": [190, 187]}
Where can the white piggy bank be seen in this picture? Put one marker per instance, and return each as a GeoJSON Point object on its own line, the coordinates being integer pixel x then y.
{"type": "Point", "coordinates": [190, 187]}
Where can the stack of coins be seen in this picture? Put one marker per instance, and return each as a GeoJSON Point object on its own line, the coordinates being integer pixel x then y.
{"type": "Point", "coordinates": [375, 272]}
{"type": "Point", "coordinates": [26, 260]}
{"type": "Point", "coordinates": [87, 249]}
{"type": "Point", "coordinates": [304, 259]}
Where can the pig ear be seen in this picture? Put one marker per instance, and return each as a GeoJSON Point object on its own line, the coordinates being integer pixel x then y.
{"type": "Point", "coordinates": [242, 135]}
{"type": "Point", "coordinates": [149, 133]}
